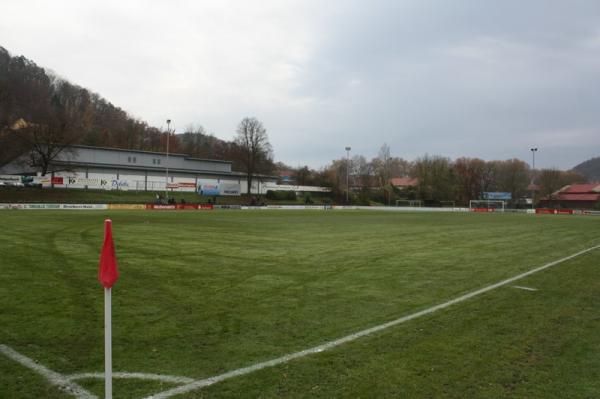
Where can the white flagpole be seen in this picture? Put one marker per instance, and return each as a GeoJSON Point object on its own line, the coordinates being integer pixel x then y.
{"type": "Point", "coordinates": [107, 344]}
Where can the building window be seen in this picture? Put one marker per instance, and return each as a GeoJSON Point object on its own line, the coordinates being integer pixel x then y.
{"type": "Point", "coordinates": [158, 161]}
{"type": "Point", "coordinates": [154, 161]}
{"type": "Point", "coordinates": [129, 159]}
{"type": "Point", "coordinates": [134, 160]}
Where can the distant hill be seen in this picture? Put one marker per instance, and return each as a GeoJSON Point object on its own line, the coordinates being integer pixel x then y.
{"type": "Point", "coordinates": [590, 169]}
{"type": "Point", "coordinates": [38, 106]}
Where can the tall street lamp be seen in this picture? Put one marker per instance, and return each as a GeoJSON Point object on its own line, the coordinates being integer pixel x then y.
{"type": "Point", "coordinates": [533, 151]}
{"type": "Point", "coordinates": [347, 174]}
{"type": "Point", "coordinates": [167, 162]}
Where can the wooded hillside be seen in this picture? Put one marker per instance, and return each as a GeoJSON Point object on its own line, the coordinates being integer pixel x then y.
{"type": "Point", "coordinates": [37, 106]}
{"type": "Point", "coordinates": [590, 169]}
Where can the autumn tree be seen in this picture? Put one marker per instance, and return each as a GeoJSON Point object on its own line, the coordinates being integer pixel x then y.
{"type": "Point", "coordinates": [552, 180]}
{"type": "Point", "coordinates": [549, 181]}
{"type": "Point", "coordinates": [470, 175]}
{"type": "Point", "coordinates": [512, 176]}
{"type": "Point", "coordinates": [334, 176]}
{"type": "Point", "coordinates": [195, 141]}
{"type": "Point", "coordinates": [304, 176]}
{"type": "Point", "coordinates": [58, 113]}
{"type": "Point", "coordinates": [382, 165]}
{"type": "Point", "coordinates": [572, 177]}
{"type": "Point", "coordinates": [255, 153]}
{"type": "Point", "coordinates": [56, 127]}
{"type": "Point", "coordinates": [382, 169]}
{"type": "Point", "coordinates": [489, 176]}
{"type": "Point", "coordinates": [435, 178]}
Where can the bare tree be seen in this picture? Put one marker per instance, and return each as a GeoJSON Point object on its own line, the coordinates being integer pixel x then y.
{"type": "Point", "coordinates": [552, 180]}
{"type": "Point", "coordinates": [513, 177]}
{"type": "Point", "coordinates": [436, 178]}
{"type": "Point", "coordinates": [304, 176]}
{"type": "Point", "coordinates": [469, 178]}
{"type": "Point", "coordinates": [46, 142]}
{"type": "Point", "coordinates": [254, 147]}
{"type": "Point", "coordinates": [334, 176]}
{"type": "Point", "coordinates": [57, 130]}
{"type": "Point", "coordinates": [362, 170]}
{"type": "Point", "coordinates": [382, 166]}
{"type": "Point", "coordinates": [11, 144]}
{"type": "Point", "coordinates": [196, 142]}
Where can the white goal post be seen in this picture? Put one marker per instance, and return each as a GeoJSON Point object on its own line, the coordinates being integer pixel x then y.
{"type": "Point", "coordinates": [487, 205]}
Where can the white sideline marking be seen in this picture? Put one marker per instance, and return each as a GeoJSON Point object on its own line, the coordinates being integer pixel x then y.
{"type": "Point", "coordinates": [524, 288]}
{"type": "Point", "coordinates": [52, 376]}
{"type": "Point", "coordinates": [348, 338]}
{"type": "Point", "coordinates": [142, 376]}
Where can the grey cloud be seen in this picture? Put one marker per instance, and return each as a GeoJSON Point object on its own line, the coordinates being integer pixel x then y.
{"type": "Point", "coordinates": [467, 78]}
{"type": "Point", "coordinates": [475, 78]}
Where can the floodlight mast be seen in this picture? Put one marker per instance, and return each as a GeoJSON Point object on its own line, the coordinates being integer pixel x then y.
{"type": "Point", "coordinates": [533, 151]}
{"type": "Point", "coordinates": [347, 174]}
{"type": "Point", "coordinates": [167, 162]}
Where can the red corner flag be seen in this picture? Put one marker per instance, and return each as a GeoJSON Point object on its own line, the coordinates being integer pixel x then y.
{"type": "Point", "coordinates": [107, 272]}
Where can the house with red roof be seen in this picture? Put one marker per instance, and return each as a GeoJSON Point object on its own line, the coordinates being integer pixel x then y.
{"type": "Point", "coordinates": [404, 182]}
{"type": "Point", "coordinates": [574, 196]}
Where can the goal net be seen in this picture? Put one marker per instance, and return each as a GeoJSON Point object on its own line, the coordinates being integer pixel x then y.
{"type": "Point", "coordinates": [487, 205]}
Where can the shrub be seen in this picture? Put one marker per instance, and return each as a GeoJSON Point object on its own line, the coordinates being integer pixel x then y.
{"type": "Point", "coordinates": [281, 195]}
{"type": "Point", "coordinates": [272, 195]}
{"type": "Point", "coordinates": [307, 199]}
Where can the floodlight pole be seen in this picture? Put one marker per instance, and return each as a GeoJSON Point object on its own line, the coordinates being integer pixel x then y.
{"type": "Point", "coordinates": [167, 162]}
{"type": "Point", "coordinates": [347, 174]}
{"type": "Point", "coordinates": [533, 151]}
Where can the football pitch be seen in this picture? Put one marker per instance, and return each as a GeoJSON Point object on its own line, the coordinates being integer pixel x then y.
{"type": "Point", "coordinates": [207, 294]}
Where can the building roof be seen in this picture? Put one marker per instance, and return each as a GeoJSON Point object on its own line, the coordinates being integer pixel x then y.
{"type": "Point", "coordinates": [577, 197]}
{"type": "Point", "coordinates": [581, 188]}
{"type": "Point", "coordinates": [404, 181]}
{"type": "Point", "coordinates": [68, 165]}
{"type": "Point", "coordinates": [171, 154]}
{"type": "Point", "coordinates": [589, 192]}
{"type": "Point", "coordinates": [133, 159]}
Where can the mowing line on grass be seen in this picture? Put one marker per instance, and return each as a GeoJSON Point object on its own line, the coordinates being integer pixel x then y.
{"type": "Point", "coordinates": [524, 288]}
{"type": "Point", "coordinates": [348, 338]}
{"type": "Point", "coordinates": [52, 376]}
{"type": "Point", "coordinates": [141, 376]}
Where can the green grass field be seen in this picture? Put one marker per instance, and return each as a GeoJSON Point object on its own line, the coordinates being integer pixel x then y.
{"type": "Point", "coordinates": [203, 293]}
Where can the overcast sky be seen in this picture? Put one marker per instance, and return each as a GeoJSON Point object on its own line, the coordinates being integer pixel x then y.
{"type": "Point", "coordinates": [487, 79]}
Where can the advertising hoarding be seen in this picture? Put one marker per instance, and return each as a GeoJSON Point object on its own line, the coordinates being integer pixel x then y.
{"type": "Point", "coordinates": [232, 189]}
{"type": "Point", "coordinates": [213, 188]}
{"type": "Point", "coordinates": [501, 196]}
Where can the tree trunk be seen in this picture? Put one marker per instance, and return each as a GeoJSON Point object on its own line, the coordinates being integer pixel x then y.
{"type": "Point", "coordinates": [249, 188]}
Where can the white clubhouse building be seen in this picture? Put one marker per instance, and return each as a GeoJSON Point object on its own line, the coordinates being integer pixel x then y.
{"type": "Point", "coordinates": [119, 169]}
